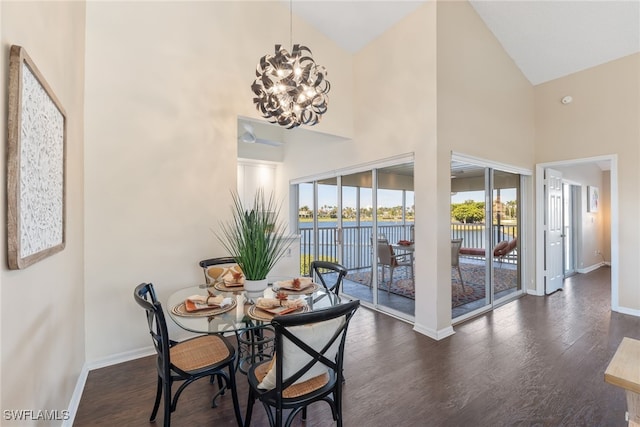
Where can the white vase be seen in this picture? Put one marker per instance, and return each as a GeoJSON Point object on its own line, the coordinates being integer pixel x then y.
{"type": "Point", "coordinates": [255, 288]}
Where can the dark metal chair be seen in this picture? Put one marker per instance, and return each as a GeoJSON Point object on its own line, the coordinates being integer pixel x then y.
{"type": "Point", "coordinates": [331, 271]}
{"type": "Point", "coordinates": [186, 361]}
{"type": "Point", "coordinates": [206, 263]}
{"type": "Point", "coordinates": [308, 365]}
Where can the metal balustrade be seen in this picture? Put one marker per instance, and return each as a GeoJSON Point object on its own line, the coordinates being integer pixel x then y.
{"type": "Point", "coordinates": [356, 244]}
{"type": "Point", "coordinates": [357, 250]}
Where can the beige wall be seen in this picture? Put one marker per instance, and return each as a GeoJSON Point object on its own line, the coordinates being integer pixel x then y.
{"type": "Point", "coordinates": [394, 113]}
{"type": "Point", "coordinates": [485, 110]}
{"type": "Point", "coordinates": [162, 101]}
{"type": "Point", "coordinates": [601, 120]}
{"type": "Point", "coordinates": [42, 306]}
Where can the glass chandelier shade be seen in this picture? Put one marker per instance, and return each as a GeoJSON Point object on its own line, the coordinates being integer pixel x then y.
{"type": "Point", "coordinates": [290, 88]}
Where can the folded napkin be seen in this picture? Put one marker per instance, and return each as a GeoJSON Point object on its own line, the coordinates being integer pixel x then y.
{"type": "Point", "coordinates": [234, 279]}
{"type": "Point", "coordinates": [302, 283]}
{"type": "Point", "coordinates": [199, 302]}
{"type": "Point", "coordinates": [274, 302]}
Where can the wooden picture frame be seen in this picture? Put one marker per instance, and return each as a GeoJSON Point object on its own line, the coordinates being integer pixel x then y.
{"type": "Point", "coordinates": [36, 165]}
{"type": "Point", "coordinates": [593, 196]}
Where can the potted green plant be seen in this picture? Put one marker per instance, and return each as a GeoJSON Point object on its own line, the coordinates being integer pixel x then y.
{"type": "Point", "coordinates": [256, 238]}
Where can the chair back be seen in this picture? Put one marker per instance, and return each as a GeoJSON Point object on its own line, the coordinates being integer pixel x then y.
{"type": "Point", "coordinates": [310, 344]}
{"type": "Point", "coordinates": [385, 254]}
{"type": "Point", "coordinates": [456, 244]}
{"type": "Point", "coordinates": [211, 262]}
{"type": "Point", "coordinates": [145, 296]}
{"type": "Point", "coordinates": [330, 274]}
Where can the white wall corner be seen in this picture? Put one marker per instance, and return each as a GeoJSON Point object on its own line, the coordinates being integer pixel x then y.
{"type": "Point", "coordinates": [535, 292]}
{"type": "Point", "coordinates": [434, 334]}
{"type": "Point", "coordinates": [75, 397]}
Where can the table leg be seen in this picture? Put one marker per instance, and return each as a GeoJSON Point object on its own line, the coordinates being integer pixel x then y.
{"type": "Point", "coordinates": [633, 408]}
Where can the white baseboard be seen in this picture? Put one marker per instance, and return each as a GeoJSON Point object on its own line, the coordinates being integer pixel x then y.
{"type": "Point", "coordinates": [434, 334]}
{"type": "Point", "coordinates": [629, 311]}
{"type": "Point", "coordinates": [74, 403]}
{"type": "Point", "coordinates": [75, 397]}
{"type": "Point", "coordinates": [535, 292]}
{"type": "Point", "coordinates": [591, 268]}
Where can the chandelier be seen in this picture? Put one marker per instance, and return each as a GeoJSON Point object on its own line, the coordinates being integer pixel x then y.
{"type": "Point", "coordinates": [290, 89]}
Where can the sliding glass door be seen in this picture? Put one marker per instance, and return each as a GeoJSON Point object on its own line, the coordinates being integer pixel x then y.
{"type": "Point", "coordinates": [395, 274]}
{"type": "Point", "coordinates": [342, 219]}
{"type": "Point", "coordinates": [485, 223]}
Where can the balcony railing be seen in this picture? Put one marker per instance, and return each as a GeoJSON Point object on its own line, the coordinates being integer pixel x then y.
{"type": "Point", "coordinates": [356, 244]}
{"type": "Point", "coordinates": [357, 250]}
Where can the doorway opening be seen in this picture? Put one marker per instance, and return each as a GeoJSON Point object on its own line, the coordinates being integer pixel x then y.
{"type": "Point", "coordinates": [590, 231]}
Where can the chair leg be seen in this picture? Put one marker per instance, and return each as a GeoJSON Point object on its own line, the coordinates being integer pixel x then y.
{"type": "Point", "coordinates": [234, 394]}
{"type": "Point", "coordinates": [460, 274]}
{"type": "Point", "coordinates": [169, 406]}
{"type": "Point", "coordinates": [156, 405]}
{"type": "Point", "coordinates": [390, 279]}
{"type": "Point", "coordinates": [250, 401]}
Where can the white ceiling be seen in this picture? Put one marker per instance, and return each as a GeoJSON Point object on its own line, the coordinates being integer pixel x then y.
{"type": "Point", "coordinates": [547, 39]}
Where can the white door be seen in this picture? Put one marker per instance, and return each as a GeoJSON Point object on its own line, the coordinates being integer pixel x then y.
{"type": "Point", "coordinates": [554, 270]}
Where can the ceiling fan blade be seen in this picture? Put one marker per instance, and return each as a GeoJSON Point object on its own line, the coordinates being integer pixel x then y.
{"type": "Point", "coordinates": [248, 137]}
{"type": "Point", "coordinates": [268, 142]}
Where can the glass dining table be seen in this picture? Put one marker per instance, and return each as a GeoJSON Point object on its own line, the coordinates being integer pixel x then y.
{"type": "Point", "coordinates": [242, 316]}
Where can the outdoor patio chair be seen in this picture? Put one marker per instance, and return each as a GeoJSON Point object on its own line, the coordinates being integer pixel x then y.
{"type": "Point", "coordinates": [455, 258]}
{"type": "Point", "coordinates": [387, 258]}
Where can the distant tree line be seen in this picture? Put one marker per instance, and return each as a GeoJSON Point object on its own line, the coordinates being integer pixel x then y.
{"type": "Point", "coordinates": [468, 212]}
{"type": "Point", "coordinates": [471, 211]}
{"type": "Point", "coordinates": [331, 212]}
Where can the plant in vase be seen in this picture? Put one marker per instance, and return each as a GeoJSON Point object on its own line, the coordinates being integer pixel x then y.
{"type": "Point", "coordinates": [256, 238]}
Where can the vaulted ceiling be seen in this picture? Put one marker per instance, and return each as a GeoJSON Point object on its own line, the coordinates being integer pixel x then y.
{"type": "Point", "coordinates": [546, 39]}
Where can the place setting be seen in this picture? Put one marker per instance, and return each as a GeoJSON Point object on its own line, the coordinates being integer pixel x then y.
{"type": "Point", "coordinates": [296, 286]}
{"type": "Point", "coordinates": [266, 308]}
{"type": "Point", "coordinates": [204, 306]}
{"type": "Point", "coordinates": [231, 282]}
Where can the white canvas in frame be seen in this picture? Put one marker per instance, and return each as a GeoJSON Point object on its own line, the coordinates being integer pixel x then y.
{"type": "Point", "coordinates": [593, 198]}
{"type": "Point", "coordinates": [35, 165]}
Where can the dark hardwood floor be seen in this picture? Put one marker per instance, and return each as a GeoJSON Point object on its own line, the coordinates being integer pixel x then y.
{"type": "Point", "coordinates": [537, 361]}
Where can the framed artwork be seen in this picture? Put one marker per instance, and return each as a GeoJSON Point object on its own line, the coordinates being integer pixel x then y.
{"type": "Point", "coordinates": [36, 126]}
{"type": "Point", "coordinates": [592, 196]}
